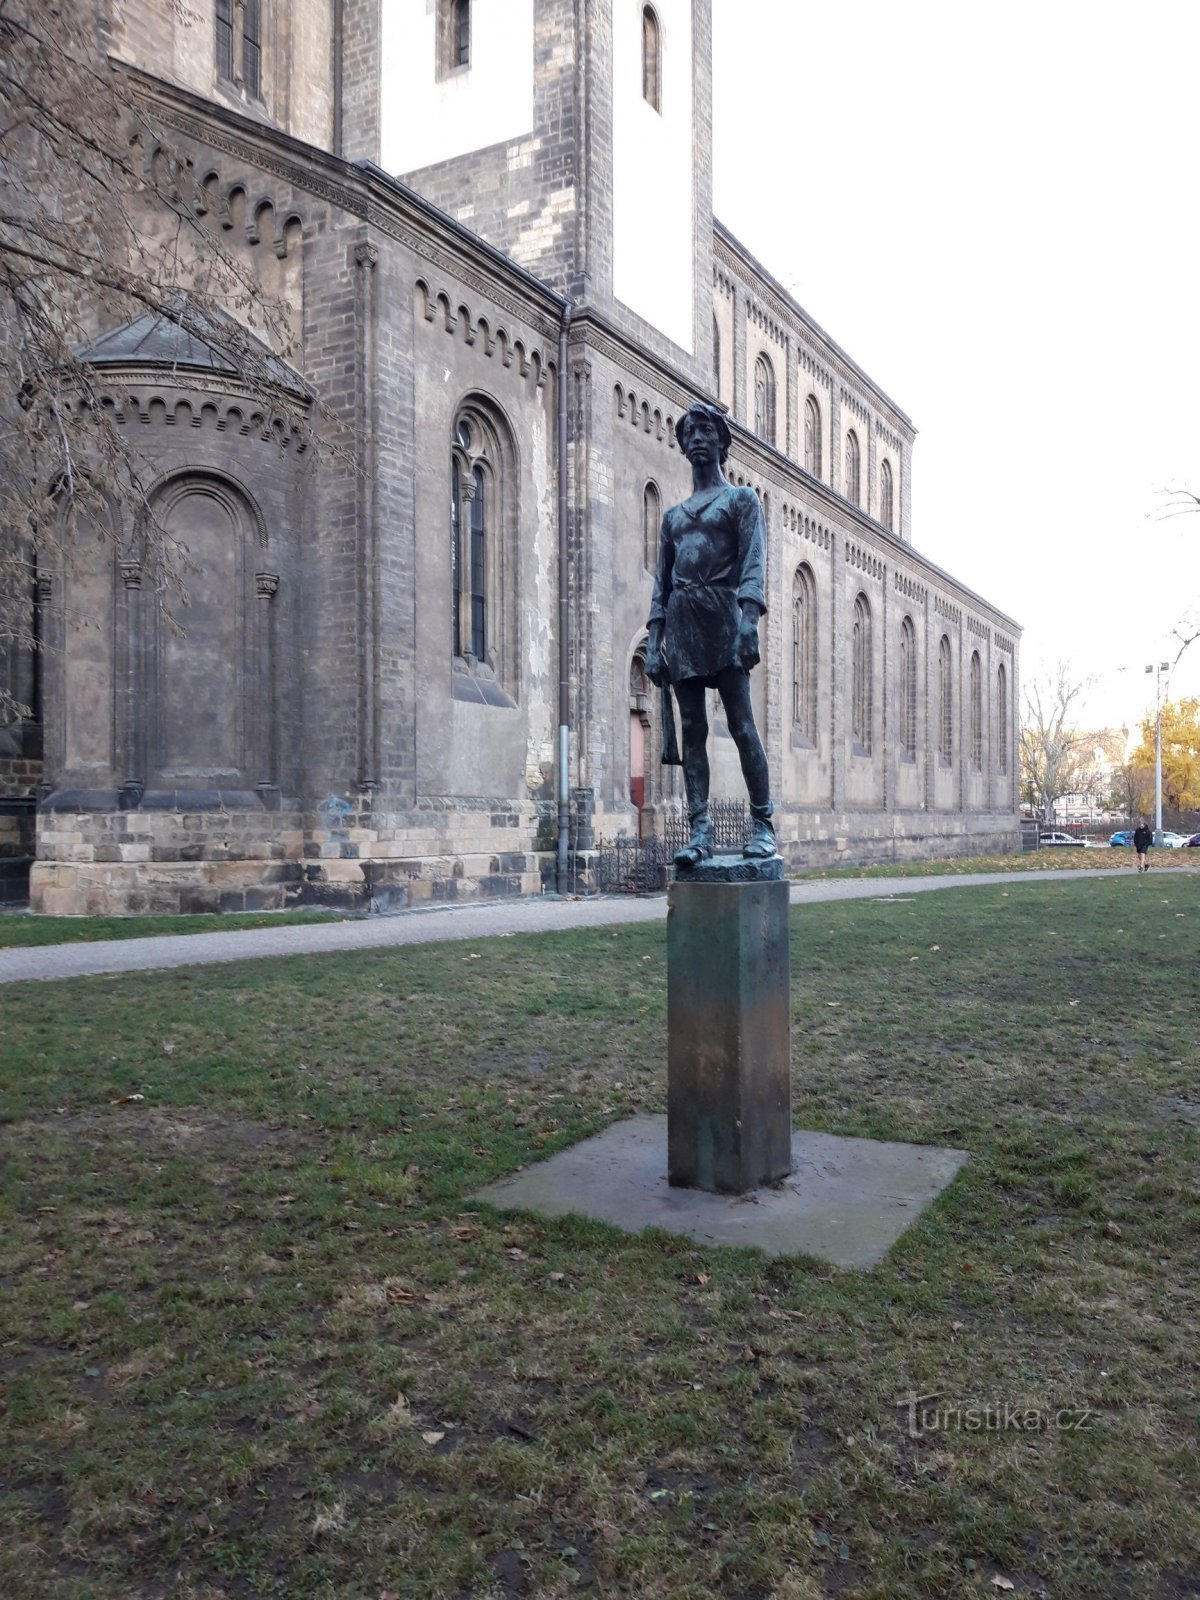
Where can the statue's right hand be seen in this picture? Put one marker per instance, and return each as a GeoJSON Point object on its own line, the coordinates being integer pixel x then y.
{"type": "Point", "coordinates": [656, 668]}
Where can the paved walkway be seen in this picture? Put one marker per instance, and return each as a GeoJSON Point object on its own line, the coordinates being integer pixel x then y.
{"type": "Point", "coordinates": [430, 926]}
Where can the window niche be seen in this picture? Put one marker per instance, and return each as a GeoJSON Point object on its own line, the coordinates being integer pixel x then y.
{"type": "Point", "coordinates": [812, 436]}
{"type": "Point", "coordinates": [886, 498]}
{"type": "Point", "coordinates": [239, 45]}
{"type": "Point", "coordinates": [483, 557]}
{"type": "Point", "coordinates": [976, 712]}
{"type": "Point", "coordinates": [1002, 720]}
{"type": "Point", "coordinates": [453, 36]}
{"type": "Point", "coordinates": [651, 525]}
{"type": "Point", "coordinates": [945, 703]}
{"type": "Point", "coordinates": [210, 686]}
{"type": "Point", "coordinates": [907, 687]}
{"type": "Point", "coordinates": [651, 59]}
{"type": "Point", "coordinates": [853, 468]}
{"type": "Point", "coordinates": [764, 400]}
{"type": "Point", "coordinates": [861, 673]}
{"type": "Point", "coordinates": [804, 658]}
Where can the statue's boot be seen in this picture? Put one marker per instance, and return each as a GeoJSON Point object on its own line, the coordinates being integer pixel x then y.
{"type": "Point", "coordinates": [761, 842]}
{"type": "Point", "coordinates": [700, 846]}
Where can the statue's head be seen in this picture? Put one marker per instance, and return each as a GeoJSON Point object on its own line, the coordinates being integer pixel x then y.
{"type": "Point", "coordinates": [711, 417]}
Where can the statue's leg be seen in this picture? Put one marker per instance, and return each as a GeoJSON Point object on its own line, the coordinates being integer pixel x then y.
{"type": "Point", "coordinates": [734, 688]}
{"type": "Point", "coordinates": [693, 727]}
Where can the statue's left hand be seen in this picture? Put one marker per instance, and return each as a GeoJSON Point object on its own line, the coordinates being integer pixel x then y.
{"type": "Point", "coordinates": [747, 643]}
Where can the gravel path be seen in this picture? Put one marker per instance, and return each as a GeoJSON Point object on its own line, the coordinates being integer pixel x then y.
{"type": "Point", "coordinates": [430, 926]}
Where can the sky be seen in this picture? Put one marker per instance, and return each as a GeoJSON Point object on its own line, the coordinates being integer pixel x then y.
{"type": "Point", "coordinates": [994, 211]}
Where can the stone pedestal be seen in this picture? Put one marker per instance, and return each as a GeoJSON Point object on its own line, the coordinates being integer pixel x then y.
{"type": "Point", "coordinates": [729, 1100]}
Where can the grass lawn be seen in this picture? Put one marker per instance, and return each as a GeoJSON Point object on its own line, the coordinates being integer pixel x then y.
{"type": "Point", "coordinates": [257, 1342]}
{"type": "Point", "coordinates": [1066, 858]}
{"type": "Point", "coordinates": [22, 929]}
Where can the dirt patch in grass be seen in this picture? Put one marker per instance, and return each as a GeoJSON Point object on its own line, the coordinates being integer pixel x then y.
{"type": "Point", "coordinates": [258, 1342]}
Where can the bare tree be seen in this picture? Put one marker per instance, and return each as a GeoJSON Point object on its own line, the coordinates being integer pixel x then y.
{"type": "Point", "coordinates": [1057, 758]}
{"type": "Point", "coordinates": [97, 227]}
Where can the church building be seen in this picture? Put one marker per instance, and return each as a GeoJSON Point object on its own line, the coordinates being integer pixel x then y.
{"type": "Point", "coordinates": [414, 669]}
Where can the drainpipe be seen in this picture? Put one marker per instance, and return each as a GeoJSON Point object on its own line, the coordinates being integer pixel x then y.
{"type": "Point", "coordinates": [564, 612]}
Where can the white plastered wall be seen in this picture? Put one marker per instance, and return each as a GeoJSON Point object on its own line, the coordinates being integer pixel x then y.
{"type": "Point", "coordinates": [425, 118]}
{"type": "Point", "coordinates": [653, 200]}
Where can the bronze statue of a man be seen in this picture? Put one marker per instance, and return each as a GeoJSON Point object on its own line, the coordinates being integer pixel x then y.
{"type": "Point", "coordinates": [703, 628]}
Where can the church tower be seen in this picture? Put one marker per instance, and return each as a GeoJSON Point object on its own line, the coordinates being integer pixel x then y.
{"type": "Point", "coordinates": [575, 136]}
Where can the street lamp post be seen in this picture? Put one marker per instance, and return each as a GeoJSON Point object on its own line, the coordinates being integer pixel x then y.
{"type": "Point", "coordinates": [1163, 666]}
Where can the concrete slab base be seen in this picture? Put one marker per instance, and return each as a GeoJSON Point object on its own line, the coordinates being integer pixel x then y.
{"type": "Point", "coordinates": [845, 1200]}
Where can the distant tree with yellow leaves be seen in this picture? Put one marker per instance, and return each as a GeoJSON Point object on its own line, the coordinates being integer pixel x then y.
{"type": "Point", "coordinates": [1180, 753]}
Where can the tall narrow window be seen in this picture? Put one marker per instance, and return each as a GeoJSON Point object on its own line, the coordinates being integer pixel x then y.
{"type": "Point", "coordinates": [945, 701]}
{"type": "Point", "coordinates": [651, 59]}
{"type": "Point", "coordinates": [976, 712]}
{"type": "Point", "coordinates": [461, 48]}
{"type": "Point", "coordinates": [239, 44]}
{"type": "Point", "coordinates": [225, 40]}
{"type": "Point", "coordinates": [764, 400]}
{"type": "Point", "coordinates": [651, 525]}
{"type": "Point", "coordinates": [812, 436]}
{"type": "Point", "coordinates": [1001, 720]}
{"type": "Point", "coordinates": [853, 469]}
{"type": "Point", "coordinates": [860, 677]}
{"type": "Point", "coordinates": [479, 641]}
{"type": "Point", "coordinates": [483, 556]}
{"type": "Point", "coordinates": [456, 564]}
{"type": "Point", "coordinates": [908, 690]}
{"type": "Point", "coordinates": [252, 47]}
{"type": "Point", "coordinates": [885, 494]}
{"type": "Point", "coordinates": [804, 656]}
{"type": "Point", "coordinates": [716, 356]}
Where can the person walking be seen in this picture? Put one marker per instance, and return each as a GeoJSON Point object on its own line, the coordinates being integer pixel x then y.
{"type": "Point", "coordinates": [1142, 840]}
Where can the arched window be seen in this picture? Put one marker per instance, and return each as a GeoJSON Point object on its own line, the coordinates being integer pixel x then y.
{"type": "Point", "coordinates": [1001, 720]}
{"type": "Point", "coordinates": [651, 59]}
{"type": "Point", "coordinates": [764, 400]}
{"type": "Point", "coordinates": [483, 515]}
{"type": "Point", "coordinates": [945, 701]}
{"type": "Point", "coordinates": [908, 690]}
{"type": "Point", "coordinates": [853, 469]}
{"type": "Point", "coordinates": [651, 525]}
{"type": "Point", "coordinates": [976, 712]}
{"type": "Point", "coordinates": [885, 494]}
{"type": "Point", "coordinates": [860, 677]}
{"type": "Point", "coordinates": [812, 436]}
{"type": "Point", "coordinates": [804, 656]}
{"type": "Point", "coordinates": [716, 356]}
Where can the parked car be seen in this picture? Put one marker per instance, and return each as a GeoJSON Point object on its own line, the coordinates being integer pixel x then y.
{"type": "Point", "coordinates": [1173, 841]}
{"type": "Point", "coordinates": [1056, 839]}
{"type": "Point", "coordinates": [1194, 842]}
{"type": "Point", "coordinates": [1122, 836]}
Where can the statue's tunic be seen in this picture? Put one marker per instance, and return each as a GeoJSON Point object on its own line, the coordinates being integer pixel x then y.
{"type": "Point", "coordinates": [711, 557]}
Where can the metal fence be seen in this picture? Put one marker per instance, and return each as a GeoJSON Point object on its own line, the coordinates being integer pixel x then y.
{"type": "Point", "coordinates": [626, 865]}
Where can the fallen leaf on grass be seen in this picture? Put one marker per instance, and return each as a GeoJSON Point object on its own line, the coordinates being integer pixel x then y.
{"type": "Point", "coordinates": [126, 1099]}
{"type": "Point", "coordinates": [433, 1436]}
{"type": "Point", "coordinates": [516, 1255]}
{"type": "Point", "coordinates": [702, 1278]}
{"type": "Point", "coordinates": [999, 1582]}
